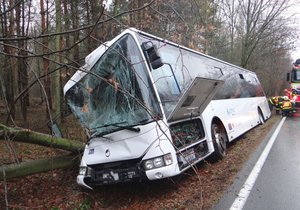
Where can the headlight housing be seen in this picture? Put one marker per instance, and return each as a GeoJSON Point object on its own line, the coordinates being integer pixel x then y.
{"type": "Point", "coordinates": [85, 171]}
{"type": "Point", "coordinates": [82, 171]}
{"type": "Point", "coordinates": [158, 162]}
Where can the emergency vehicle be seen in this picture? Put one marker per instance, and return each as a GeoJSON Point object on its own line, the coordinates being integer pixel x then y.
{"type": "Point", "coordinates": [293, 78]}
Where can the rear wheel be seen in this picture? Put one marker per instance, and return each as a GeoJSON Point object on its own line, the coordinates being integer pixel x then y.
{"type": "Point", "coordinates": [220, 140]}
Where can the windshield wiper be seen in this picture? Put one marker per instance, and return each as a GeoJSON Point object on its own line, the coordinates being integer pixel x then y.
{"type": "Point", "coordinates": [120, 126]}
{"type": "Point", "coordinates": [130, 128]}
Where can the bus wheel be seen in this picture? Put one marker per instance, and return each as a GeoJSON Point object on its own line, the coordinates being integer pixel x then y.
{"type": "Point", "coordinates": [261, 117]}
{"type": "Point", "coordinates": [220, 140]}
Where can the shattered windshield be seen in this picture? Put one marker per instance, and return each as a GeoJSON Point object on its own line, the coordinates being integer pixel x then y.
{"type": "Point", "coordinates": [116, 93]}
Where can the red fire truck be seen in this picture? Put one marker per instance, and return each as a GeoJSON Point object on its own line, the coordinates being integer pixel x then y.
{"type": "Point", "coordinates": [293, 77]}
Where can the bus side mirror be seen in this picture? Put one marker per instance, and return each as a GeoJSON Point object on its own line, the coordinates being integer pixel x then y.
{"type": "Point", "coordinates": [152, 55]}
{"type": "Point", "coordinates": [288, 77]}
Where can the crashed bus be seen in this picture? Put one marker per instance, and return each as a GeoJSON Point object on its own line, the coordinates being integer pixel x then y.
{"type": "Point", "coordinates": [152, 108]}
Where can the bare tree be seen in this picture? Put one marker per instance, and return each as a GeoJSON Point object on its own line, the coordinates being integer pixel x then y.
{"type": "Point", "coordinates": [257, 20]}
{"type": "Point", "coordinates": [259, 36]}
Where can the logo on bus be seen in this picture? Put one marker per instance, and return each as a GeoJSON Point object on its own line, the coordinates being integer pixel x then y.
{"type": "Point", "coordinates": [91, 151]}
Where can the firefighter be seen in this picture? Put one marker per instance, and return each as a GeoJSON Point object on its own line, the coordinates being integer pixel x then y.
{"type": "Point", "coordinates": [276, 102]}
{"type": "Point", "coordinates": [288, 93]}
{"type": "Point", "coordinates": [271, 103]}
{"type": "Point", "coordinates": [291, 95]}
{"type": "Point", "coordinates": [286, 107]}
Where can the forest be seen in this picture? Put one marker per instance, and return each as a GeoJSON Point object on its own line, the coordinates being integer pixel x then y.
{"type": "Point", "coordinates": [44, 42]}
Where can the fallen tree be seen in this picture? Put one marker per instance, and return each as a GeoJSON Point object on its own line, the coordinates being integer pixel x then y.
{"type": "Point", "coordinates": [11, 171]}
{"type": "Point", "coordinates": [32, 137]}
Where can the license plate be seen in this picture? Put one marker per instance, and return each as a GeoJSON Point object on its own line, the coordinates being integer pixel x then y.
{"type": "Point", "coordinates": [111, 176]}
{"type": "Point", "coordinates": [188, 156]}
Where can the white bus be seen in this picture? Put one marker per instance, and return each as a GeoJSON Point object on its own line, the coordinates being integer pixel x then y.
{"type": "Point", "coordinates": [152, 108]}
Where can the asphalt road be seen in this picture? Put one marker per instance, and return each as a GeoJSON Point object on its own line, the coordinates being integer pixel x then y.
{"type": "Point", "coordinates": [276, 180]}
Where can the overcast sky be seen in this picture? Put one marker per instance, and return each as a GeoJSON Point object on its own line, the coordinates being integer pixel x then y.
{"type": "Point", "coordinates": [296, 24]}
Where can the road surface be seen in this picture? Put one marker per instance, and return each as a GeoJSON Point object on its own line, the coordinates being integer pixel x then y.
{"type": "Point", "coordinates": [271, 178]}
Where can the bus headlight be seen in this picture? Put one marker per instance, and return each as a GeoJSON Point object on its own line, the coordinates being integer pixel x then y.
{"type": "Point", "coordinates": [85, 171]}
{"type": "Point", "coordinates": [158, 162]}
{"type": "Point", "coordinates": [148, 164]}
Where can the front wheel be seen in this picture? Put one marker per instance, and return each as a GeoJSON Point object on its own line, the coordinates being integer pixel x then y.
{"type": "Point", "coordinates": [219, 138]}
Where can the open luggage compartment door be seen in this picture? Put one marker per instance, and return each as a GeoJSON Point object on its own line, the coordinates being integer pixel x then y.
{"type": "Point", "coordinates": [196, 98]}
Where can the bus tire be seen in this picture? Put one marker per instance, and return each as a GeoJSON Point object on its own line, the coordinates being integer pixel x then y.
{"type": "Point", "coordinates": [219, 138]}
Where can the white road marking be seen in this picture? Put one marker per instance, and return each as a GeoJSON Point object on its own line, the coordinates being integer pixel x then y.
{"type": "Point", "coordinates": [240, 201]}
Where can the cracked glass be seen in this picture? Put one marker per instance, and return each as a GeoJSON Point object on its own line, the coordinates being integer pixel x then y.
{"type": "Point", "coordinates": [116, 93]}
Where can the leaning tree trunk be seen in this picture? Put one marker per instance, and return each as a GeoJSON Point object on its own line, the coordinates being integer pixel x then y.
{"type": "Point", "coordinates": [37, 166]}
{"type": "Point", "coordinates": [29, 136]}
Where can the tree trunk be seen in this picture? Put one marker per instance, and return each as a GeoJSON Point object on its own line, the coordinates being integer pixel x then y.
{"type": "Point", "coordinates": [8, 63]}
{"type": "Point", "coordinates": [22, 74]}
{"type": "Point", "coordinates": [28, 136]}
{"type": "Point", "coordinates": [43, 165]}
{"type": "Point", "coordinates": [36, 166]}
{"type": "Point", "coordinates": [56, 88]}
{"type": "Point", "coordinates": [44, 25]}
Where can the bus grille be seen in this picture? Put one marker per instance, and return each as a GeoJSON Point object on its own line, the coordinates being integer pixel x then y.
{"type": "Point", "coordinates": [117, 172]}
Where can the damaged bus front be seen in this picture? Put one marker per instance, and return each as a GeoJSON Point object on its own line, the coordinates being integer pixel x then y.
{"type": "Point", "coordinates": [116, 101]}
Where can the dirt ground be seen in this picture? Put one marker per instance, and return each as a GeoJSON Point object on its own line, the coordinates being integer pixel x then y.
{"type": "Point", "coordinates": [198, 188]}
